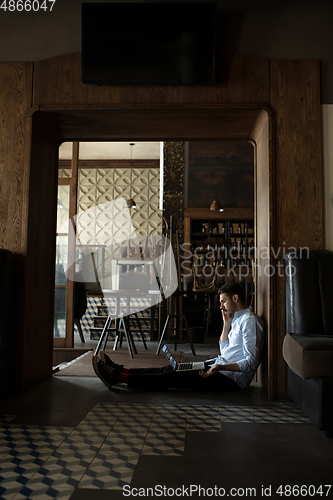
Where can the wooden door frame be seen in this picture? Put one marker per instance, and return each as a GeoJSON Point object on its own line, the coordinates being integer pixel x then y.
{"type": "Point", "coordinates": [72, 182]}
{"type": "Point", "coordinates": [59, 342]}
{"type": "Point", "coordinates": [182, 122]}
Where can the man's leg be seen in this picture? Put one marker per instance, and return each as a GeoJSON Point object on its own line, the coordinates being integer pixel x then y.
{"type": "Point", "coordinates": [161, 378]}
{"type": "Point", "coordinates": [168, 378]}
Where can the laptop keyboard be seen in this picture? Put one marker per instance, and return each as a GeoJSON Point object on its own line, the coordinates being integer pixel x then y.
{"type": "Point", "coordinates": [185, 366]}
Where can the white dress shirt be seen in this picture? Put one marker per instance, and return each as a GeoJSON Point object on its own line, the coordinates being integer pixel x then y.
{"type": "Point", "coordinates": [244, 347]}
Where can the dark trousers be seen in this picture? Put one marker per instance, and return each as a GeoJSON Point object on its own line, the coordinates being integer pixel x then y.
{"type": "Point", "coordinates": [167, 378]}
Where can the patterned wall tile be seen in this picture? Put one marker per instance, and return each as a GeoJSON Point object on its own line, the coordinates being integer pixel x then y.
{"type": "Point", "coordinates": [87, 177]}
{"type": "Point", "coordinates": [97, 186]}
{"type": "Point", "coordinates": [64, 173]}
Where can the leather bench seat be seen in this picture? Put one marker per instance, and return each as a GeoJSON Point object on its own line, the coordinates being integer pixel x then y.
{"type": "Point", "coordinates": [309, 356]}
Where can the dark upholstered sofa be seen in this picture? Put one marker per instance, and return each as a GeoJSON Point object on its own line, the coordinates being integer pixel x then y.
{"type": "Point", "coordinates": [308, 344]}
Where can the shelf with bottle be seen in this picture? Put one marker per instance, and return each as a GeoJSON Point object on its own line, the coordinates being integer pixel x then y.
{"type": "Point", "coordinates": [213, 228]}
{"type": "Point", "coordinates": [208, 228]}
{"type": "Point", "coordinates": [222, 242]}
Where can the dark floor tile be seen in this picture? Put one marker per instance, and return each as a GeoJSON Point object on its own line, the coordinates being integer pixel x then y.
{"type": "Point", "coordinates": [64, 401]}
{"type": "Point", "coordinates": [55, 401]}
{"type": "Point", "coordinates": [94, 494]}
{"type": "Point", "coordinates": [244, 455]}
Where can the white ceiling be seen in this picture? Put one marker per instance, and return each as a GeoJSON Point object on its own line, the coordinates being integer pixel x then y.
{"type": "Point", "coordinates": [112, 151]}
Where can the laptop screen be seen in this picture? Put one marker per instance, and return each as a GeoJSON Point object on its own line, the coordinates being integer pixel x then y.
{"type": "Point", "coordinates": [168, 354]}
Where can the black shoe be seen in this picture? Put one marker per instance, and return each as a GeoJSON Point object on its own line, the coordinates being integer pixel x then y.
{"type": "Point", "coordinates": [109, 376]}
{"type": "Point", "coordinates": [109, 362]}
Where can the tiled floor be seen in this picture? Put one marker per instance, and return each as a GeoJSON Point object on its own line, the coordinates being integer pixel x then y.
{"type": "Point", "coordinates": [103, 450]}
{"type": "Point", "coordinates": [115, 438]}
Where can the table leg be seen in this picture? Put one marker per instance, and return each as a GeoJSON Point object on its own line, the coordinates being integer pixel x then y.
{"type": "Point", "coordinates": [129, 345]}
{"type": "Point", "coordinates": [162, 336]}
{"type": "Point", "coordinates": [104, 332]}
{"type": "Point", "coordinates": [128, 326]}
{"type": "Point", "coordinates": [141, 332]}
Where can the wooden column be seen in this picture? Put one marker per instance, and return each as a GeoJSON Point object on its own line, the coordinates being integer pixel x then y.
{"type": "Point", "coordinates": [295, 98]}
{"type": "Point", "coordinates": [15, 133]}
{"type": "Point", "coordinates": [38, 310]}
{"type": "Point", "coordinates": [261, 138]}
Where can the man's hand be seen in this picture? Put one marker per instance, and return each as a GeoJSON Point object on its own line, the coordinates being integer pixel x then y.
{"type": "Point", "coordinates": [226, 326]}
{"type": "Point", "coordinates": [227, 319]}
{"type": "Point", "coordinates": [213, 369]}
{"type": "Point", "coordinates": [232, 367]}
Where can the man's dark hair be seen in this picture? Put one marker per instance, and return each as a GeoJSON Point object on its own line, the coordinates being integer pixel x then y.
{"type": "Point", "coordinates": [233, 288]}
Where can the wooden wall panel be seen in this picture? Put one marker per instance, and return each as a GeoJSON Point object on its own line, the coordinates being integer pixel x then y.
{"type": "Point", "coordinates": [15, 101]}
{"type": "Point", "coordinates": [220, 171]}
{"type": "Point", "coordinates": [244, 79]}
{"type": "Point", "coordinates": [295, 98]}
{"type": "Point", "coordinates": [15, 133]}
{"type": "Point", "coordinates": [151, 122]}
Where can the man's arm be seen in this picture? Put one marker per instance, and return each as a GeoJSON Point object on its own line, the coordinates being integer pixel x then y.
{"type": "Point", "coordinates": [226, 327]}
{"type": "Point", "coordinates": [251, 349]}
{"type": "Point", "coordinates": [232, 367]}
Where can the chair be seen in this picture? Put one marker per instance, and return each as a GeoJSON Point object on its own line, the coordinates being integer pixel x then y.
{"type": "Point", "coordinates": [308, 344]}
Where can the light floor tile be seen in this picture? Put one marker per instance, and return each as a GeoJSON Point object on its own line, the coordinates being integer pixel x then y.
{"type": "Point", "coordinates": [14, 478]}
{"type": "Point", "coordinates": [203, 419]}
{"type": "Point", "coordinates": [110, 471]}
{"type": "Point", "coordinates": [268, 415]}
{"type": "Point", "coordinates": [43, 492]}
{"type": "Point", "coordinates": [240, 414]}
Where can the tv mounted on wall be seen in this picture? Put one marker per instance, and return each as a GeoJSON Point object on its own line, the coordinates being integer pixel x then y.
{"type": "Point", "coordinates": [148, 43]}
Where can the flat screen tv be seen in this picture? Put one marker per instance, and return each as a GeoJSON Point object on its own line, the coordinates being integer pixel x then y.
{"type": "Point", "coordinates": [148, 43]}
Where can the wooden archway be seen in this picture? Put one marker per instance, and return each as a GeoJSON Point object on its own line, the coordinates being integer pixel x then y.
{"type": "Point", "coordinates": [154, 123]}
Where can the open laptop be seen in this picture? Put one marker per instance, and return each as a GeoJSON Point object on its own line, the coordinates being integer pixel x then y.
{"type": "Point", "coordinates": [197, 365]}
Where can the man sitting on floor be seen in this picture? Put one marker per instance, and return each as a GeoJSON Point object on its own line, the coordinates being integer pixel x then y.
{"type": "Point", "coordinates": [240, 351]}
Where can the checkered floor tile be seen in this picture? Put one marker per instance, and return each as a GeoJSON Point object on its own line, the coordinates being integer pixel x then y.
{"type": "Point", "coordinates": [88, 320]}
{"type": "Point", "coordinates": [114, 464]}
{"type": "Point", "coordinates": [27, 449]}
{"type": "Point", "coordinates": [203, 418]}
{"type": "Point", "coordinates": [103, 450]}
{"type": "Point", "coordinates": [294, 414]}
{"type": "Point", "coordinates": [166, 434]}
{"type": "Point", "coordinates": [241, 414]}
{"type": "Point", "coordinates": [268, 415]}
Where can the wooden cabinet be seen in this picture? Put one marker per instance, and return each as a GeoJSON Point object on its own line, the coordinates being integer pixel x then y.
{"type": "Point", "coordinates": [219, 238]}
